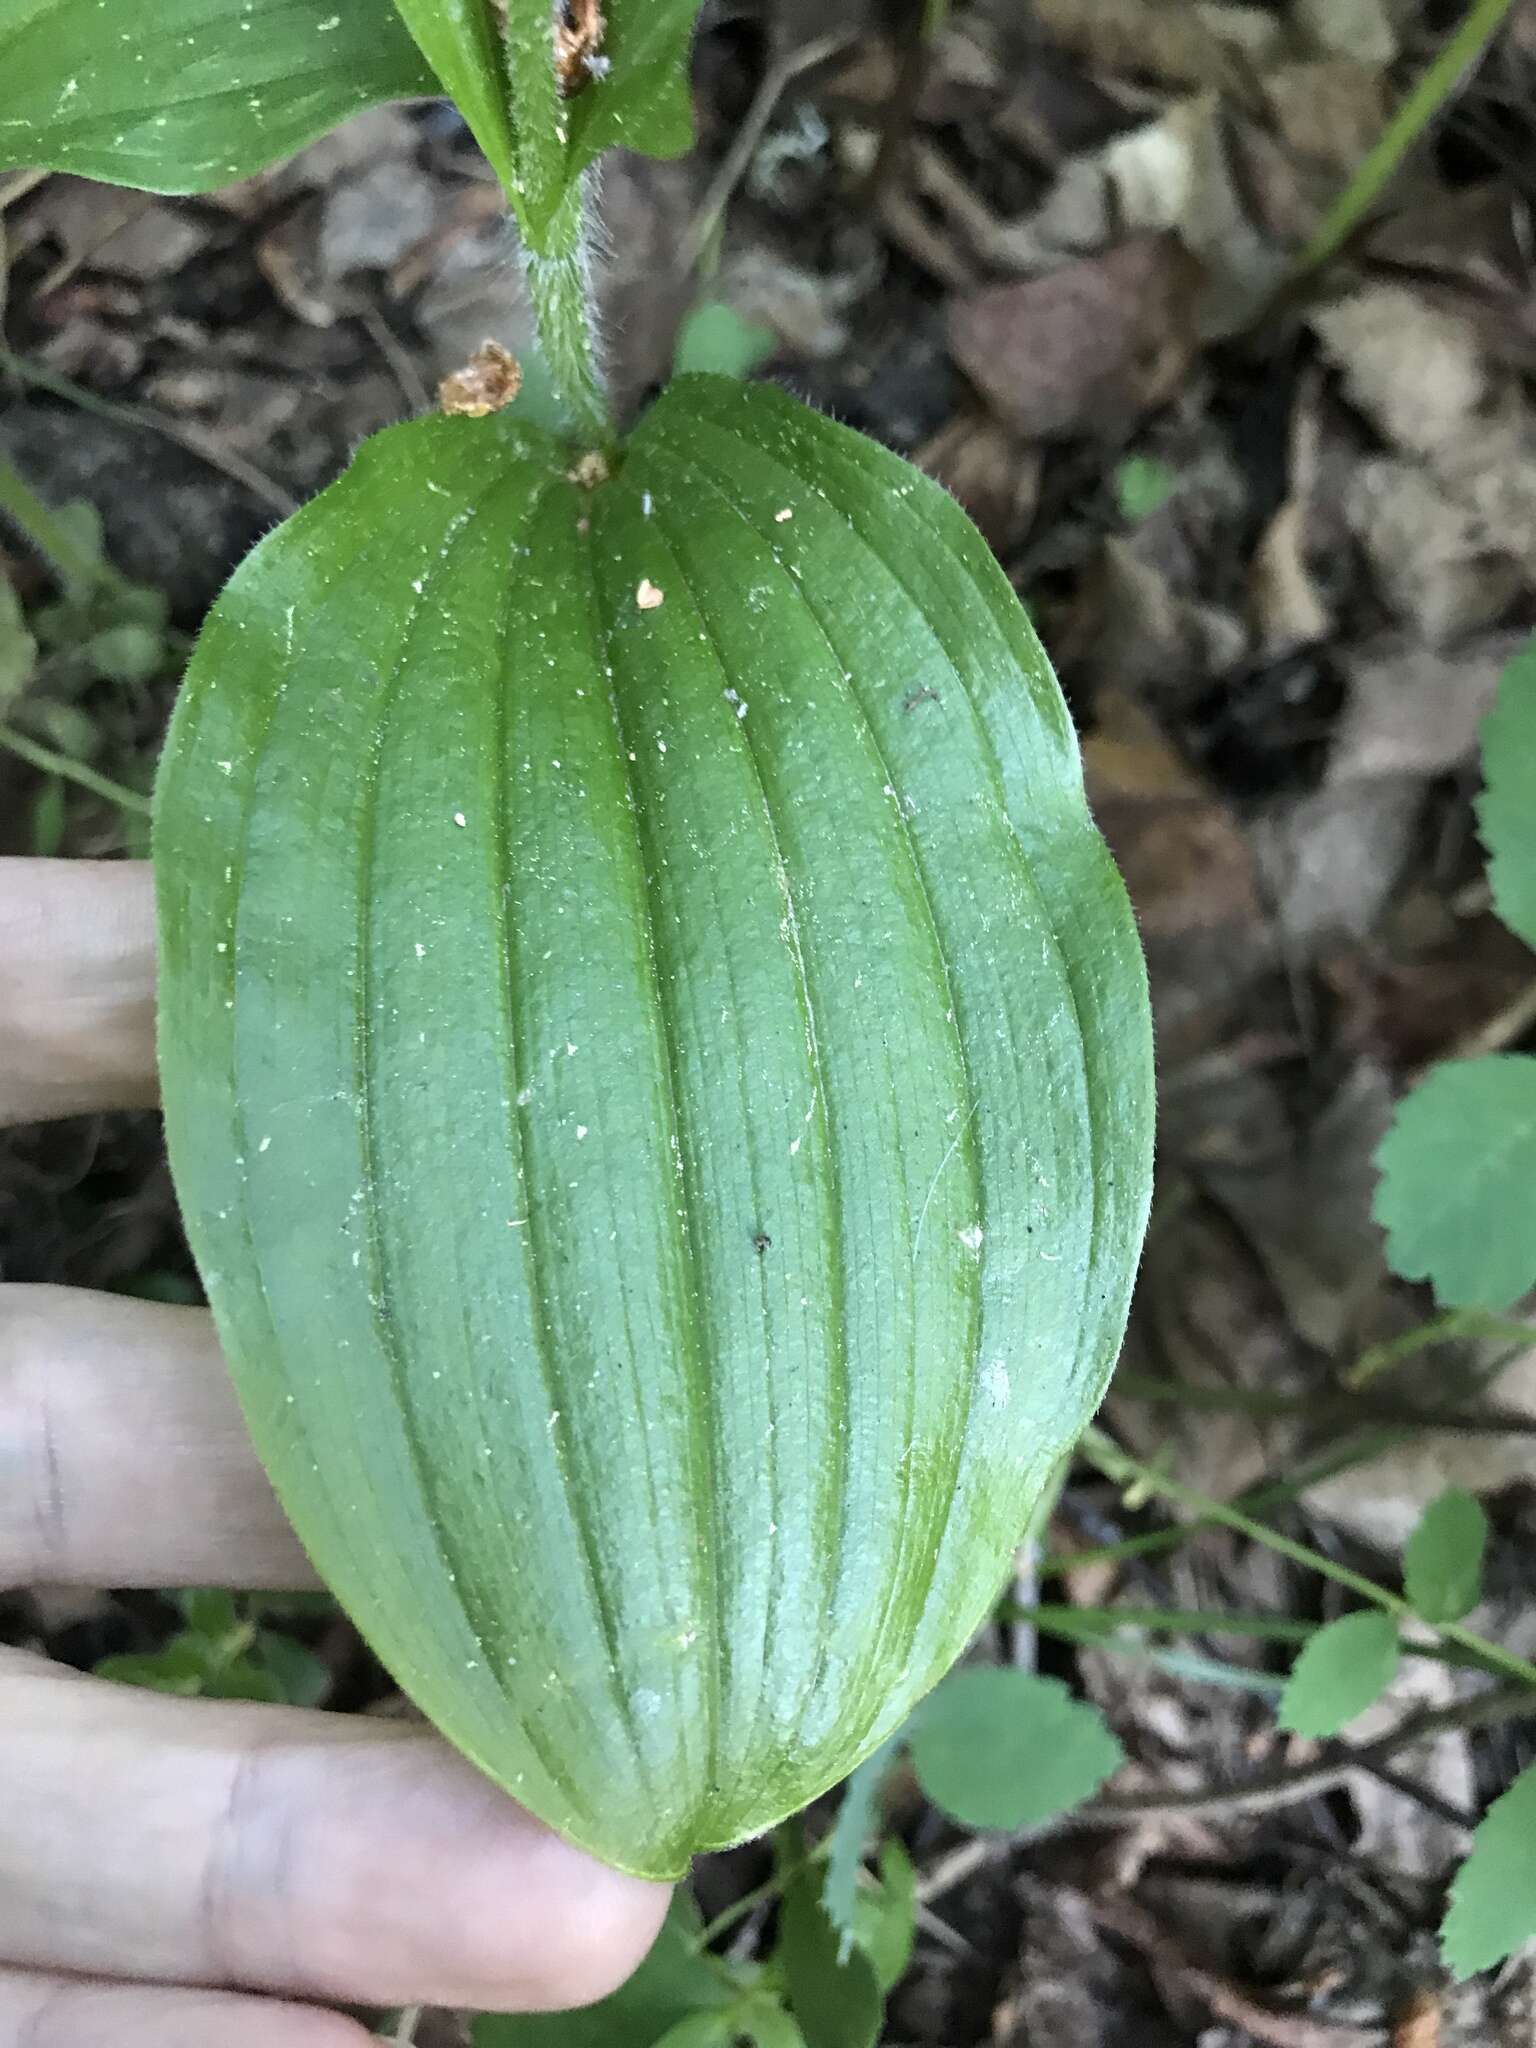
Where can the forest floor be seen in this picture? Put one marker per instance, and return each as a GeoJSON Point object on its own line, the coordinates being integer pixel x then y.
{"type": "Point", "coordinates": [1279, 535]}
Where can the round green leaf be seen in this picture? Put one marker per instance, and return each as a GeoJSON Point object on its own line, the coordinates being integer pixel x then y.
{"type": "Point", "coordinates": [657, 1069]}
{"type": "Point", "coordinates": [1458, 1168]}
{"type": "Point", "coordinates": [1443, 1561]}
{"type": "Point", "coordinates": [1006, 1749]}
{"type": "Point", "coordinates": [1493, 1901]}
{"type": "Point", "coordinates": [1345, 1668]}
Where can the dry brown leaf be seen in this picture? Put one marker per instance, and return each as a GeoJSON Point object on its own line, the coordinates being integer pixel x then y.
{"type": "Point", "coordinates": [1177, 46]}
{"type": "Point", "coordinates": [991, 475]}
{"type": "Point", "coordinates": [1089, 348]}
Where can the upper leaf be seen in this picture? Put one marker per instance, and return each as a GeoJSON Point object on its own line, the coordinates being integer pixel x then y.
{"type": "Point", "coordinates": [1507, 808]}
{"type": "Point", "coordinates": [1443, 1561]}
{"type": "Point", "coordinates": [542, 115]}
{"type": "Point", "coordinates": [1457, 1196]}
{"type": "Point", "coordinates": [1493, 1901]}
{"type": "Point", "coordinates": [1345, 1668]}
{"type": "Point", "coordinates": [657, 1068]}
{"type": "Point", "coordinates": [999, 1748]}
{"type": "Point", "coordinates": [188, 95]}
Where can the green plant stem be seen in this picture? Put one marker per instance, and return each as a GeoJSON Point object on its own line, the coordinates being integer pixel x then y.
{"type": "Point", "coordinates": [1481, 23]}
{"type": "Point", "coordinates": [1118, 1465]}
{"type": "Point", "coordinates": [73, 771]}
{"type": "Point", "coordinates": [1448, 1328]}
{"type": "Point", "coordinates": [565, 309]}
{"type": "Point", "coordinates": [784, 1872]}
{"type": "Point", "coordinates": [1162, 1620]}
{"type": "Point", "coordinates": [1345, 1406]}
{"type": "Point", "coordinates": [78, 569]}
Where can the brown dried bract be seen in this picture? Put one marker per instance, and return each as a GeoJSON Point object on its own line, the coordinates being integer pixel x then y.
{"type": "Point", "coordinates": [579, 29]}
{"type": "Point", "coordinates": [488, 383]}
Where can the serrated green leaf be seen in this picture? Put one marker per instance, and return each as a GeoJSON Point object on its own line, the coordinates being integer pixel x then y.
{"type": "Point", "coordinates": [1506, 811]}
{"type": "Point", "coordinates": [1458, 1168]}
{"type": "Point", "coordinates": [1443, 1561]}
{"type": "Point", "coordinates": [1493, 1900]}
{"type": "Point", "coordinates": [886, 1916]}
{"type": "Point", "coordinates": [187, 95]}
{"type": "Point", "coordinates": [998, 1748]}
{"type": "Point", "coordinates": [673, 1984]}
{"type": "Point", "coordinates": [657, 1070]}
{"type": "Point", "coordinates": [209, 1611]}
{"type": "Point", "coordinates": [850, 1833]}
{"type": "Point", "coordinates": [835, 2004]}
{"type": "Point", "coordinates": [1345, 1668]}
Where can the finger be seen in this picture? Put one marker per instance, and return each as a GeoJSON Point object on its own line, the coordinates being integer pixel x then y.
{"type": "Point", "coordinates": [38, 2011]}
{"type": "Point", "coordinates": [209, 1842]}
{"type": "Point", "coordinates": [77, 987]}
{"type": "Point", "coordinates": [124, 1460]}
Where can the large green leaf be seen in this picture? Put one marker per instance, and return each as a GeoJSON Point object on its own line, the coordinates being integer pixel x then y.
{"type": "Point", "coordinates": [498, 59]}
{"type": "Point", "coordinates": [186, 95]}
{"type": "Point", "coordinates": [657, 1069]}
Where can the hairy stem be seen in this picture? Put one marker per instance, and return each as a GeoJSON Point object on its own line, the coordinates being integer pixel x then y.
{"type": "Point", "coordinates": [565, 308]}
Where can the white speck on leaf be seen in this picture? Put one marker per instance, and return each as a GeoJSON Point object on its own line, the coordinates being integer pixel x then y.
{"type": "Point", "coordinates": [421, 951]}
{"type": "Point", "coordinates": [970, 1237]}
{"type": "Point", "coordinates": [581, 1130]}
{"type": "Point", "coordinates": [648, 596]}
{"type": "Point", "coordinates": [459, 818]}
{"type": "Point", "coordinates": [785, 512]}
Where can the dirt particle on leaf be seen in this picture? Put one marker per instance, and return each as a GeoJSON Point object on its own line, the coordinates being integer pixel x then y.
{"type": "Point", "coordinates": [648, 596]}
{"type": "Point", "coordinates": [488, 383]}
{"type": "Point", "coordinates": [784, 512]}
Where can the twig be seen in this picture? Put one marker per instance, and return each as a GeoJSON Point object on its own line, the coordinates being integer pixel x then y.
{"type": "Point", "coordinates": [1287, 1784]}
{"type": "Point", "coordinates": [1499, 1032]}
{"type": "Point", "coordinates": [1228, 2001]}
{"type": "Point", "coordinates": [776, 80]}
{"type": "Point", "coordinates": [1118, 1465]}
{"type": "Point", "coordinates": [1465, 49]}
{"type": "Point", "coordinates": [53, 763]}
{"type": "Point", "coordinates": [401, 366]}
{"type": "Point", "coordinates": [405, 2028]}
{"type": "Point", "coordinates": [184, 434]}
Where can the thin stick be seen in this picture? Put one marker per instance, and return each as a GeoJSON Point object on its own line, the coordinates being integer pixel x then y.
{"type": "Point", "coordinates": [1464, 50]}
{"type": "Point", "coordinates": [52, 763]}
{"type": "Point", "coordinates": [1104, 1453]}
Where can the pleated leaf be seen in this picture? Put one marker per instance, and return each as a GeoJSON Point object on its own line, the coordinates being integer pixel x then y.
{"type": "Point", "coordinates": [187, 95]}
{"type": "Point", "coordinates": [657, 1069]}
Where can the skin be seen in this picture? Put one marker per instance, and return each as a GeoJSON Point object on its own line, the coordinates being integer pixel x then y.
{"type": "Point", "coordinates": [175, 1872]}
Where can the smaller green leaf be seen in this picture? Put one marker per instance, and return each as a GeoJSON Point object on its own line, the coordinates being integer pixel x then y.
{"type": "Point", "coordinates": [886, 1917]}
{"type": "Point", "coordinates": [1345, 1668]}
{"type": "Point", "coordinates": [714, 337]}
{"type": "Point", "coordinates": [701, 2030]}
{"type": "Point", "coordinates": [18, 650]}
{"type": "Point", "coordinates": [836, 2004]}
{"type": "Point", "coordinates": [458, 38]}
{"type": "Point", "coordinates": [181, 1667]}
{"type": "Point", "coordinates": [1457, 1170]}
{"type": "Point", "coordinates": [241, 1678]}
{"type": "Point", "coordinates": [1005, 1749]}
{"type": "Point", "coordinates": [301, 1678]}
{"type": "Point", "coordinates": [1443, 1561]}
{"type": "Point", "coordinates": [845, 1847]}
{"type": "Point", "coordinates": [1143, 485]}
{"type": "Point", "coordinates": [767, 2024]}
{"type": "Point", "coordinates": [1506, 812]}
{"type": "Point", "coordinates": [48, 817]}
{"type": "Point", "coordinates": [126, 653]}
{"type": "Point", "coordinates": [674, 1983]}
{"type": "Point", "coordinates": [1493, 1901]}
{"type": "Point", "coordinates": [209, 1611]}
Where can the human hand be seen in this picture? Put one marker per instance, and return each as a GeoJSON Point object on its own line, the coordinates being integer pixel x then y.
{"type": "Point", "coordinates": [162, 1859]}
